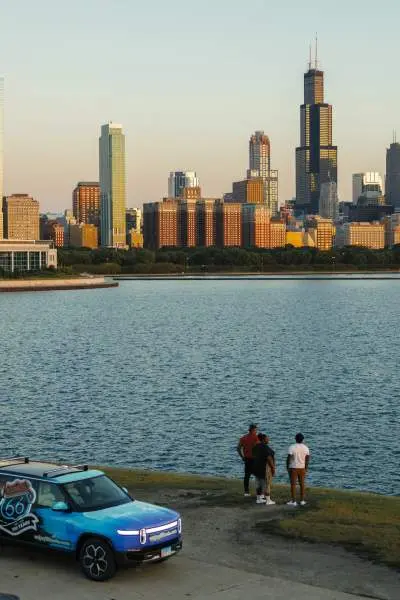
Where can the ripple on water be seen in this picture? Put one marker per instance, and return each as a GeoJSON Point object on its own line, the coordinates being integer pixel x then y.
{"type": "Point", "coordinates": [168, 374]}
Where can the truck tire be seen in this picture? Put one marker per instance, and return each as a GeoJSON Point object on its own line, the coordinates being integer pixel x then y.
{"type": "Point", "coordinates": [97, 559]}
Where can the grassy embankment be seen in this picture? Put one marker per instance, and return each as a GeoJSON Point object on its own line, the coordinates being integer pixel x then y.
{"type": "Point", "coordinates": [368, 524]}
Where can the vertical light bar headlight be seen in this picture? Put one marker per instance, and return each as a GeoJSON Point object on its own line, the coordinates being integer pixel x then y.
{"type": "Point", "coordinates": [179, 525]}
{"type": "Point", "coordinates": [143, 536]}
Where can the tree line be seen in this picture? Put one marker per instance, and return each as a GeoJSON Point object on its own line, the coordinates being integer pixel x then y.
{"type": "Point", "coordinates": [178, 260]}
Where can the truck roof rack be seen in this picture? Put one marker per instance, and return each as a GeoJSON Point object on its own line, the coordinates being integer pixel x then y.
{"type": "Point", "coordinates": [64, 469]}
{"type": "Point", "coordinates": [14, 460]}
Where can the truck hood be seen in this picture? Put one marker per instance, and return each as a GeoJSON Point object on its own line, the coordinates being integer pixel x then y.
{"type": "Point", "coordinates": [132, 515]}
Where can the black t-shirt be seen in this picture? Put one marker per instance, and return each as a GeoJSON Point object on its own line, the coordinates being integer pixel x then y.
{"type": "Point", "coordinates": [261, 452]}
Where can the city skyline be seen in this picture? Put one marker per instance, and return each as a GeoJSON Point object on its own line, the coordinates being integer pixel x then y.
{"type": "Point", "coordinates": [52, 95]}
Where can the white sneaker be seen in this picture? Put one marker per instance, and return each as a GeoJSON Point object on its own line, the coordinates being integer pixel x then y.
{"type": "Point", "coordinates": [260, 500]}
{"type": "Point", "coordinates": [246, 495]}
{"type": "Point", "coordinates": [269, 502]}
{"type": "Point", "coordinates": [292, 503]}
{"type": "Point", "coordinates": [303, 503]}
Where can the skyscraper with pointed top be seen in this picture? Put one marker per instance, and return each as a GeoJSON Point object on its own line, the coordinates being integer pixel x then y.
{"type": "Point", "coordinates": [316, 157]}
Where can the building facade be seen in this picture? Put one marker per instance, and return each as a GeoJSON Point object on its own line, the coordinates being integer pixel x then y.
{"type": "Point", "coordinates": [316, 157]}
{"type": "Point", "coordinates": [366, 235]}
{"type": "Point", "coordinates": [86, 202]}
{"type": "Point", "coordinates": [21, 217]}
{"type": "Point", "coordinates": [260, 167]}
{"type": "Point", "coordinates": [51, 229]}
{"type": "Point", "coordinates": [112, 186]}
{"type": "Point", "coordinates": [160, 224]}
{"type": "Point", "coordinates": [393, 175]}
{"type": "Point", "coordinates": [328, 202]}
{"type": "Point", "coordinates": [228, 221]}
{"type": "Point", "coordinates": [319, 233]}
{"type": "Point", "coordinates": [83, 235]}
{"type": "Point", "coordinates": [205, 222]}
{"type": "Point", "coordinates": [249, 191]}
{"type": "Point", "coordinates": [20, 255]}
{"type": "Point", "coordinates": [392, 230]}
{"type": "Point", "coordinates": [178, 180]}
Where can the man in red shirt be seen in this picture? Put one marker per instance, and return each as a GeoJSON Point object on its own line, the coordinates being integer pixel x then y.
{"type": "Point", "coordinates": [245, 450]}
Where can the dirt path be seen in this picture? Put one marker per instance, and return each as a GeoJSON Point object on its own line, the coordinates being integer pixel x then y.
{"type": "Point", "coordinates": [225, 533]}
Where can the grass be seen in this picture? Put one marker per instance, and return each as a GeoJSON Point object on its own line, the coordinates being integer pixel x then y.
{"type": "Point", "coordinates": [368, 524]}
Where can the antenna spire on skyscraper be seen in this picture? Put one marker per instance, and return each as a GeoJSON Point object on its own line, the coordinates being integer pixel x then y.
{"type": "Point", "coordinates": [310, 58]}
{"type": "Point", "coordinates": [316, 51]}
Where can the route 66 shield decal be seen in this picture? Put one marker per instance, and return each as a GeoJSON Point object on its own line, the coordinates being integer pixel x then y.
{"type": "Point", "coordinates": [16, 500]}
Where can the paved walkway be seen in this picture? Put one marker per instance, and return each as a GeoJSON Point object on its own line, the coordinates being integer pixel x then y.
{"type": "Point", "coordinates": [34, 576]}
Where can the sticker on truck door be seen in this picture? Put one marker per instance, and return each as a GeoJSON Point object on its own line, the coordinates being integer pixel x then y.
{"type": "Point", "coordinates": [16, 500]}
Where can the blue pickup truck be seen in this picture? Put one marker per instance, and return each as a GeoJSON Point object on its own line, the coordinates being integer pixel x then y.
{"type": "Point", "coordinates": [81, 511]}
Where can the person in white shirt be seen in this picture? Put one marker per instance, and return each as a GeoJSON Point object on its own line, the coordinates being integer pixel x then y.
{"type": "Point", "coordinates": [297, 465]}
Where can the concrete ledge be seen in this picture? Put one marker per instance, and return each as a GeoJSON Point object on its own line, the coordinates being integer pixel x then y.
{"type": "Point", "coordinates": [41, 285]}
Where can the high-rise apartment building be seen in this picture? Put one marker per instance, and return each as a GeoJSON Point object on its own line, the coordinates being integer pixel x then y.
{"type": "Point", "coordinates": [1, 152]}
{"type": "Point", "coordinates": [21, 217]}
{"type": "Point", "coordinates": [86, 202]}
{"type": "Point", "coordinates": [112, 186]}
{"type": "Point", "coordinates": [160, 224]}
{"type": "Point", "coordinates": [228, 217]}
{"type": "Point", "coordinates": [179, 180]}
{"type": "Point", "coordinates": [51, 229]}
{"type": "Point", "coordinates": [187, 223]}
{"type": "Point", "coordinates": [393, 175]}
{"type": "Point", "coordinates": [328, 201]}
{"type": "Point", "coordinates": [316, 157]}
{"type": "Point", "coordinates": [260, 166]}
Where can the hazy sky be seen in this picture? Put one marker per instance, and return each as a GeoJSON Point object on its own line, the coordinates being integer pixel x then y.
{"type": "Point", "coordinates": [190, 80]}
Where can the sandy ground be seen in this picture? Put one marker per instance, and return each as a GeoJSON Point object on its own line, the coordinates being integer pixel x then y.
{"type": "Point", "coordinates": [225, 555]}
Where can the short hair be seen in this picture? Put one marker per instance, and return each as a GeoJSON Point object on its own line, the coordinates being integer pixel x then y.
{"type": "Point", "coordinates": [260, 436]}
{"type": "Point", "coordinates": [252, 426]}
{"type": "Point", "coordinates": [299, 438]}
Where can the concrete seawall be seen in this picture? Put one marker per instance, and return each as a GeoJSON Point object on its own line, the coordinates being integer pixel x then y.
{"type": "Point", "coordinates": [41, 285]}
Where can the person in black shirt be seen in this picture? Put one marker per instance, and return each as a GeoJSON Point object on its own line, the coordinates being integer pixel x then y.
{"type": "Point", "coordinates": [264, 469]}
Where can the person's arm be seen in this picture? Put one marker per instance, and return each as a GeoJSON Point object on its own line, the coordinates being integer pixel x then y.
{"type": "Point", "coordinates": [271, 463]}
{"type": "Point", "coordinates": [289, 456]}
{"type": "Point", "coordinates": [307, 462]}
{"type": "Point", "coordinates": [239, 449]}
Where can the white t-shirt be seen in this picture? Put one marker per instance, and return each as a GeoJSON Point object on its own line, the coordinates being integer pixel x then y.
{"type": "Point", "coordinates": [298, 453]}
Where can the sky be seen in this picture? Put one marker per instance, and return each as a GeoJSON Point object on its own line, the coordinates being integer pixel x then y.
{"type": "Point", "coordinates": [189, 80]}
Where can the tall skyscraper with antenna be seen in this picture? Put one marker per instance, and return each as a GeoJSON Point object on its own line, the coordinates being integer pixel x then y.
{"type": "Point", "coordinates": [316, 157]}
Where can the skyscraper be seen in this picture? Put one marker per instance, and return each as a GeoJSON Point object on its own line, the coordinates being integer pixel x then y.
{"type": "Point", "coordinates": [112, 186]}
{"type": "Point", "coordinates": [328, 201]}
{"type": "Point", "coordinates": [316, 157]}
{"type": "Point", "coordinates": [393, 175]}
{"type": "Point", "coordinates": [260, 166]}
{"type": "Point", "coordinates": [179, 180]}
{"type": "Point", "coordinates": [86, 202]}
{"type": "Point", "coordinates": [1, 151]}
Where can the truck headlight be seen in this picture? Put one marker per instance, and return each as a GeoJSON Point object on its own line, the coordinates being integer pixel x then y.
{"type": "Point", "coordinates": [128, 531]}
{"type": "Point", "coordinates": [179, 525]}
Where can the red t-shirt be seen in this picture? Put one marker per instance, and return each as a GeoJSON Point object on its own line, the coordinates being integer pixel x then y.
{"type": "Point", "coordinates": [247, 442]}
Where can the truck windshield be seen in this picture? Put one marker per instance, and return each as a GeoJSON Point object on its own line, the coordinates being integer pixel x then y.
{"type": "Point", "coordinates": [96, 493]}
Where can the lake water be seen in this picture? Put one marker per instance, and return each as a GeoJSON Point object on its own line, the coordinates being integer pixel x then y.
{"type": "Point", "coordinates": [168, 374]}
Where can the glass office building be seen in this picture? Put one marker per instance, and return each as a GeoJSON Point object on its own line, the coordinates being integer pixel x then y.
{"type": "Point", "coordinates": [19, 255]}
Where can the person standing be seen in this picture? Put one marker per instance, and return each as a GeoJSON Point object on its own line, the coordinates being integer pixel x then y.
{"type": "Point", "coordinates": [245, 451]}
{"type": "Point", "coordinates": [264, 468]}
{"type": "Point", "coordinates": [297, 463]}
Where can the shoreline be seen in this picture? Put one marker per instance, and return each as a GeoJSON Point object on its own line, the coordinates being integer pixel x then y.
{"type": "Point", "coordinates": [363, 523]}
{"type": "Point", "coordinates": [383, 275]}
{"type": "Point", "coordinates": [47, 285]}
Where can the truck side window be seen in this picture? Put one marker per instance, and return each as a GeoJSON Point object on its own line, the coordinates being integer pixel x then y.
{"type": "Point", "coordinates": [48, 494]}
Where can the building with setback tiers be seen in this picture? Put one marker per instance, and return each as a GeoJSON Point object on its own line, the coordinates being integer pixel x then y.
{"type": "Point", "coordinates": [393, 175]}
{"type": "Point", "coordinates": [316, 157]}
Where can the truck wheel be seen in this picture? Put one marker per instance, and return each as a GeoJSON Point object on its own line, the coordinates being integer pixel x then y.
{"type": "Point", "coordinates": [97, 560]}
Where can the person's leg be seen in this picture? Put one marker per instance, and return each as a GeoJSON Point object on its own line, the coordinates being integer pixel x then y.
{"type": "Point", "coordinates": [260, 482]}
{"type": "Point", "coordinates": [248, 471]}
{"type": "Point", "coordinates": [293, 481]}
{"type": "Point", "coordinates": [268, 477]}
{"type": "Point", "coordinates": [302, 478]}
